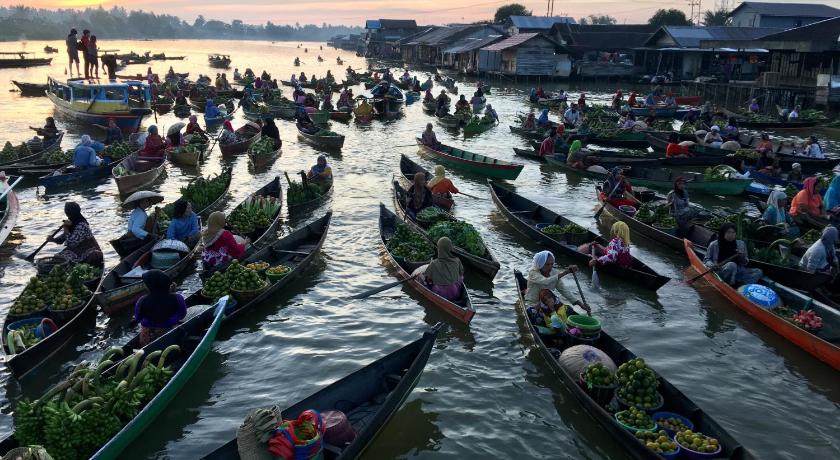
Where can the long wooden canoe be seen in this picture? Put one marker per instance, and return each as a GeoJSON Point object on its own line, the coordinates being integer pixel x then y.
{"type": "Point", "coordinates": [32, 158]}
{"type": "Point", "coordinates": [10, 211]}
{"type": "Point", "coordinates": [472, 162]}
{"type": "Point", "coordinates": [180, 156]}
{"type": "Point", "coordinates": [462, 309]}
{"type": "Point", "coordinates": [314, 202]}
{"type": "Point", "coordinates": [31, 89]}
{"type": "Point", "coordinates": [324, 142]}
{"type": "Point", "coordinates": [368, 397]}
{"type": "Point", "coordinates": [409, 168]}
{"type": "Point", "coordinates": [525, 215]}
{"type": "Point", "coordinates": [674, 400]}
{"type": "Point", "coordinates": [823, 345]}
{"type": "Point", "coordinates": [22, 363]}
{"type": "Point", "coordinates": [262, 160]}
{"type": "Point", "coordinates": [248, 134]}
{"type": "Point", "coordinates": [485, 263]}
{"type": "Point", "coordinates": [272, 189]}
{"type": "Point", "coordinates": [70, 175]}
{"type": "Point", "coordinates": [747, 123]}
{"type": "Point", "coordinates": [140, 174]}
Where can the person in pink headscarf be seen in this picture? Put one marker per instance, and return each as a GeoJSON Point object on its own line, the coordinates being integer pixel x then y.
{"type": "Point", "coordinates": [227, 136]}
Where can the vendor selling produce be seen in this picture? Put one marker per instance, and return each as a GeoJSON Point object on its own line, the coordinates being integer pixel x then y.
{"type": "Point", "coordinates": [543, 275]}
{"type": "Point", "coordinates": [445, 274]}
{"type": "Point", "coordinates": [776, 213]}
{"type": "Point", "coordinates": [442, 188]}
{"type": "Point", "coordinates": [821, 256]}
{"type": "Point", "coordinates": [680, 205]}
{"type": "Point", "coordinates": [154, 147]}
{"type": "Point", "coordinates": [807, 203]}
{"type": "Point", "coordinates": [728, 256]}
{"type": "Point", "coordinates": [418, 196]}
{"type": "Point", "coordinates": [617, 189]}
{"type": "Point", "coordinates": [184, 225]}
{"type": "Point", "coordinates": [220, 246]}
{"type": "Point", "coordinates": [140, 228]}
{"type": "Point", "coordinates": [321, 172]}
{"type": "Point", "coordinates": [618, 250]}
{"type": "Point", "coordinates": [81, 245]}
{"type": "Point", "coordinates": [161, 309]}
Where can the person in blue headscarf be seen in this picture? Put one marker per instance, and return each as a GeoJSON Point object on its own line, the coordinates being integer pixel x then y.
{"type": "Point", "coordinates": [832, 196]}
{"type": "Point", "coordinates": [543, 275]}
{"type": "Point", "coordinates": [776, 213]}
{"type": "Point", "coordinates": [210, 109]}
{"type": "Point", "coordinates": [543, 118]}
{"type": "Point", "coordinates": [85, 154]}
{"type": "Point", "coordinates": [321, 171]}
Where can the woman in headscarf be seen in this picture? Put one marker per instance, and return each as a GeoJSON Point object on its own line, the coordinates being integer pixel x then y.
{"type": "Point", "coordinates": [211, 110]}
{"type": "Point", "coordinates": [154, 147]}
{"type": "Point", "coordinates": [631, 101]}
{"type": "Point", "coordinates": [174, 138]}
{"type": "Point", "coordinates": [227, 135]}
{"type": "Point", "coordinates": [49, 132]}
{"type": "Point", "coordinates": [81, 245]}
{"type": "Point", "coordinates": [161, 309]}
{"type": "Point", "coordinates": [269, 129]}
{"type": "Point", "coordinates": [629, 122]}
{"type": "Point", "coordinates": [194, 129]}
{"type": "Point", "coordinates": [808, 202]}
{"type": "Point", "coordinates": [616, 252]}
{"type": "Point", "coordinates": [85, 155]}
{"type": "Point", "coordinates": [543, 275]}
{"type": "Point", "coordinates": [321, 171]}
{"type": "Point", "coordinates": [617, 189]}
{"type": "Point", "coordinates": [442, 188]}
{"type": "Point", "coordinates": [728, 256]}
{"type": "Point", "coordinates": [776, 213]}
{"type": "Point", "coordinates": [543, 118]}
{"type": "Point", "coordinates": [576, 158]}
{"type": "Point", "coordinates": [418, 196]}
{"type": "Point", "coordinates": [220, 245]}
{"type": "Point", "coordinates": [832, 196]}
{"type": "Point", "coordinates": [530, 123]}
{"type": "Point", "coordinates": [184, 225]}
{"type": "Point", "coordinates": [428, 138]}
{"type": "Point", "coordinates": [445, 274]}
{"type": "Point", "coordinates": [113, 133]}
{"type": "Point", "coordinates": [679, 203]}
{"type": "Point", "coordinates": [821, 256]}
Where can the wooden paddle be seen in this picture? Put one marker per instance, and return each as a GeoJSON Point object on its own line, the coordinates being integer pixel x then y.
{"type": "Point", "coordinates": [471, 196]}
{"type": "Point", "coordinates": [596, 280]}
{"type": "Point", "coordinates": [382, 288]}
{"type": "Point", "coordinates": [31, 257]}
{"type": "Point", "coordinates": [10, 187]}
{"type": "Point", "coordinates": [580, 291]}
{"type": "Point", "coordinates": [606, 200]}
{"type": "Point", "coordinates": [713, 267]}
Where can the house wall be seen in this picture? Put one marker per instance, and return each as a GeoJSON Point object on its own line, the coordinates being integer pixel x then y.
{"type": "Point", "coordinates": [529, 60]}
{"type": "Point", "coordinates": [749, 18]}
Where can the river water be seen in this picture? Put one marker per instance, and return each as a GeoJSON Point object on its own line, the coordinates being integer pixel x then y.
{"type": "Point", "coordinates": [486, 392]}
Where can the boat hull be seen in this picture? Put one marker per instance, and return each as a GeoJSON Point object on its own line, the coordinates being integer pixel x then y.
{"type": "Point", "coordinates": [494, 169]}
{"type": "Point", "coordinates": [127, 121]}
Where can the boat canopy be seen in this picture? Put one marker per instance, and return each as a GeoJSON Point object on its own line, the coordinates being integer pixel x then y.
{"type": "Point", "coordinates": [111, 91]}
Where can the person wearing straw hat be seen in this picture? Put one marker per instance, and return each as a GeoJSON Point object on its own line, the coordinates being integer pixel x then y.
{"type": "Point", "coordinates": [140, 227]}
{"type": "Point", "coordinates": [81, 245]}
{"type": "Point", "coordinates": [220, 245]}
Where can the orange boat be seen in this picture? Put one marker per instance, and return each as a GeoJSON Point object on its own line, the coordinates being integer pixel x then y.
{"type": "Point", "coordinates": [822, 344]}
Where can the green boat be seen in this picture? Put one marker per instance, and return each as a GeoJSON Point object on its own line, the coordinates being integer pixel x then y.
{"type": "Point", "coordinates": [320, 117]}
{"type": "Point", "coordinates": [472, 162]}
{"type": "Point", "coordinates": [663, 179]}
{"type": "Point", "coordinates": [478, 126]}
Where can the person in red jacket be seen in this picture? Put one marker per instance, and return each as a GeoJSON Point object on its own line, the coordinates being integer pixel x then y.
{"type": "Point", "coordinates": [547, 146]}
{"type": "Point", "coordinates": [674, 149]}
{"type": "Point", "coordinates": [220, 245]}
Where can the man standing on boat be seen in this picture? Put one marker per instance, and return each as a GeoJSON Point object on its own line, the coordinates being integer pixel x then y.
{"type": "Point", "coordinates": [73, 52]}
{"type": "Point", "coordinates": [83, 47]}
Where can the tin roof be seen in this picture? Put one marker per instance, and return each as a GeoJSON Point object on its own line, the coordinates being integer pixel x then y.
{"type": "Point", "coordinates": [538, 22]}
{"type": "Point", "coordinates": [517, 40]}
{"type": "Point", "coordinates": [472, 44]}
{"type": "Point", "coordinates": [811, 10]}
{"type": "Point", "coordinates": [826, 30]}
{"type": "Point", "coordinates": [690, 36]}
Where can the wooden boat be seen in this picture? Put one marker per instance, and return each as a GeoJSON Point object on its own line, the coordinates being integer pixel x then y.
{"type": "Point", "coordinates": [461, 309]}
{"type": "Point", "coordinates": [181, 156]}
{"type": "Point", "coordinates": [472, 162]}
{"type": "Point", "coordinates": [558, 159]}
{"type": "Point", "coordinates": [70, 175]}
{"type": "Point", "coordinates": [126, 102]}
{"type": "Point", "coordinates": [675, 400]}
{"type": "Point", "coordinates": [661, 111]}
{"type": "Point", "coordinates": [824, 344]}
{"type": "Point", "coordinates": [182, 111]}
{"type": "Point", "coordinates": [11, 210]}
{"type": "Point", "coordinates": [118, 293]}
{"type": "Point", "coordinates": [22, 363]}
{"type": "Point", "coordinates": [409, 168]}
{"type": "Point", "coordinates": [31, 160]}
{"type": "Point", "coordinates": [369, 397]}
{"type": "Point", "coordinates": [485, 263]}
{"type": "Point", "coordinates": [23, 59]}
{"type": "Point", "coordinates": [478, 126]}
{"type": "Point", "coordinates": [341, 115]}
{"type": "Point", "coordinates": [214, 122]}
{"type": "Point", "coordinates": [628, 140]}
{"type": "Point", "coordinates": [50, 49]}
{"type": "Point", "coordinates": [530, 154]}
{"type": "Point", "coordinates": [525, 215]}
{"type": "Point", "coordinates": [140, 173]}
{"type": "Point", "coordinates": [430, 106]}
{"type": "Point", "coordinates": [219, 61]}
{"type": "Point", "coordinates": [326, 189]}
{"type": "Point", "coordinates": [248, 134]}
{"type": "Point", "coordinates": [260, 161]}
{"type": "Point", "coordinates": [747, 123]}
{"type": "Point", "coordinates": [449, 121]}
{"type": "Point", "coordinates": [31, 89]}
{"type": "Point", "coordinates": [317, 140]}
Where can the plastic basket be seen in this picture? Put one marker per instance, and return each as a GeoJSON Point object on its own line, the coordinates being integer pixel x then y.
{"type": "Point", "coordinates": [584, 340]}
{"type": "Point", "coordinates": [274, 277]}
{"type": "Point", "coordinates": [691, 454]}
{"type": "Point", "coordinates": [661, 415]}
{"type": "Point", "coordinates": [63, 316]}
{"type": "Point", "coordinates": [633, 429]}
{"type": "Point", "coordinates": [601, 394]}
{"type": "Point", "coordinates": [583, 322]}
{"type": "Point", "coordinates": [46, 264]}
{"type": "Point", "coordinates": [12, 318]}
{"type": "Point", "coordinates": [247, 296]}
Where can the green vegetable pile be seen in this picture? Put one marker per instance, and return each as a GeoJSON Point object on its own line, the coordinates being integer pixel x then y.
{"type": "Point", "coordinates": [746, 153]}
{"type": "Point", "coordinates": [60, 290]}
{"type": "Point", "coordinates": [714, 175]}
{"type": "Point", "coordinates": [264, 146]}
{"type": "Point", "coordinates": [574, 229]}
{"type": "Point", "coordinates": [119, 150]}
{"type": "Point", "coordinates": [658, 442]}
{"type": "Point", "coordinates": [78, 416]}
{"type": "Point", "coordinates": [298, 193]}
{"type": "Point", "coordinates": [810, 237]}
{"type": "Point", "coordinates": [554, 229]}
{"type": "Point", "coordinates": [57, 156]}
{"type": "Point", "coordinates": [254, 215]}
{"type": "Point", "coordinates": [715, 222]}
{"type": "Point", "coordinates": [192, 147]}
{"type": "Point", "coordinates": [688, 128]}
{"type": "Point", "coordinates": [635, 418]}
{"type": "Point", "coordinates": [771, 254]}
{"type": "Point", "coordinates": [659, 215]}
{"type": "Point", "coordinates": [410, 245]}
{"type": "Point", "coordinates": [813, 115]}
{"type": "Point", "coordinates": [431, 215]}
{"type": "Point", "coordinates": [638, 384]}
{"type": "Point", "coordinates": [663, 125]}
{"type": "Point", "coordinates": [12, 153]}
{"type": "Point", "coordinates": [462, 234]}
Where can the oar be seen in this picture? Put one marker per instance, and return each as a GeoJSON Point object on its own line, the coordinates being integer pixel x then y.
{"type": "Point", "coordinates": [606, 200]}
{"type": "Point", "coordinates": [10, 187]}
{"type": "Point", "coordinates": [580, 291]}
{"type": "Point", "coordinates": [596, 280]}
{"type": "Point", "coordinates": [382, 288]}
{"type": "Point", "coordinates": [31, 257]}
{"type": "Point", "coordinates": [713, 267]}
{"type": "Point", "coordinates": [471, 196]}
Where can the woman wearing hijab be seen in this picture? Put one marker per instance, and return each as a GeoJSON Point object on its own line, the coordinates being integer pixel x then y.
{"type": "Point", "coordinates": [418, 196]}
{"type": "Point", "coordinates": [442, 188]}
{"type": "Point", "coordinates": [617, 189]}
{"type": "Point", "coordinates": [808, 202]}
{"type": "Point", "coordinates": [679, 203]}
{"type": "Point", "coordinates": [444, 275]}
{"type": "Point", "coordinates": [184, 225]}
{"type": "Point", "coordinates": [227, 135]}
{"type": "Point", "coordinates": [543, 275]}
{"type": "Point", "coordinates": [832, 196]}
{"type": "Point", "coordinates": [193, 127]}
{"type": "Point", "coordinates": [321, 171]}
{"type": "Point", "coordinates": [210, 109]}
{"type": "Point", "coordinates": [776, 213]}
{"type": "Point", "coordinates": [576, 158]}
{"type": "Point", "coordinates": [543, 118]}
{"type": "Point", "coordinates": [821, 256]}
{"type": "Point", "coordinates": [81, 245]}
{"type": "Point", "coordinates": [530, 123]}
{"type": "Point", "coordinates": [220, 246]}
{"type": "Point", "coordinates": [616, 252]}
{"type": "Point", "coordinates": [269, 129]}
{"type": "Point", "coordinates": [160, 310]}
{"type": "Point", "coordinates": [154, 148]}
{"type": "Point", "coordinates": [113, 133]}
{"type": "Point", "coordinates": [728, 256]}
{"type": "Point", "coordinates": [85, 155]}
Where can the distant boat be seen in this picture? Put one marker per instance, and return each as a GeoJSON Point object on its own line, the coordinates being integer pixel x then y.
{"type": "Point", "coordinates": [127, 102]}
{"type": "Point", "coordinates": [50, 49]}
{"type": "Point", "coordinates": [22, 60]}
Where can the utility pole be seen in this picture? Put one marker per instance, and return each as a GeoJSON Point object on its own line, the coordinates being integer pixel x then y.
{"type": "Point", "coordinates": [696, 12]}
{"type": "Point", "coordinates": [549, 8]}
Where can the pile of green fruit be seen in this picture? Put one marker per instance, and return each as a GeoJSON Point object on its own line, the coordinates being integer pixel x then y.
{"type": "Point", "coordinates": [658, 442]}
{"type": "Point", "coordinates": [410, 245]}
{"type": "Point", "coordinates": [554, 229]}
{"type": "Point", "coordinates": [698, 442]}
{"type": "Point", "coordinates": [714, 175]}
{"type": "Point", "coordinates": [264, 146]}
{"type": "Point", "coordinates": [119, 150]}
{"type": "Point", "coordinates": [216, 287]}
{"type": "Point", "coordinates": [23, 337]}
{"type": "Point", "coordinates": [715, 222]}
{"type": "Point", "coordinates": [638, 385]}
{"type": "Point", "coordinates": [688, 128]}
{"type": "Point", "coordinates": [659, 215]}
{"type": "Point", "coordinates": [813, 115]}
{"type": "Point", "coordinates": [746, 153]}
{"type": "Point", "coordinates": [247, 280]}
{"type": "Point", "coordinates": [298, 193]}
{"type": "Point", "coordinates": [574, 229]}
{"type": "Point", "coordinates": [12, 153]}
{"type": "Point", "coordinates": [57, 156]}
{"type": "Point", "coordinates": [636, 418]}
{"type": "Point", "coordinates": [60, 290]}
{"type": "Point", "coordinates": [672, 423]}
{"type": "Point", "coordinates": [254, 215]}
{"type": "Point", "coordinates": [598, 375]}
{"type": "Point", "coordinates": [810, 237]}
{"type": "Point", "coordinates": [462, 234]}
{"type": "Point", "coordinates": [431, 215]}
{"type": "Point", "coordinates": [75, 418]}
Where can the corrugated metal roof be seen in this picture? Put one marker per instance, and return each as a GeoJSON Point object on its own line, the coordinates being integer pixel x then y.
{"type": "Point", "coordinates": [811, 10]}
{"type": "Point", "coordinates": [515, 40]}
{"type": "Point", "coordinates": [440, 36]}
{"type": "Point", "coordinates": [398, 23]}
{"type": "Point", "coordinates": [539, 22]}
{"type": "Point", "coordinates": [372, 24]}
{"type": "Point", "coordinates": [826, 30]}
{"type": "Point", "coordinates": [690, 36]}
{"type": "Point", "coordinates": [472, 44]}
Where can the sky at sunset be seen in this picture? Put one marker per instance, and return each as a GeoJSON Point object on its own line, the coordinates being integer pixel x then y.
{"type": "Point", "coordinates": [355, 12]}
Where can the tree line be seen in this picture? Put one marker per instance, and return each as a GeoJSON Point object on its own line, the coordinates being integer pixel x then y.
{"type": "Point", "coordinates": [662, 17]}
{"type": "Point", "coordinates": [26, 23]}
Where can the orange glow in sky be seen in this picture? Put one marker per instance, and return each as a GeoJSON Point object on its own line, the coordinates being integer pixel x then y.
{"type": "Point", "coordinates": [353, 12]}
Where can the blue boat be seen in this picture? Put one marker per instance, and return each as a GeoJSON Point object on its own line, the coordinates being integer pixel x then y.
{"type": "Point", "coordinates": [771, 180]}
{"type": "Point", "coordinates": [70, 175]}
{"type": "Point", "coordinates": [661, 112]}
{"type": "Point", "coordinates": [387, 98]}
{"type": "Point", "coordinates": [126, 101]}
{"type": "Point", "coordinates": [216, 120]}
